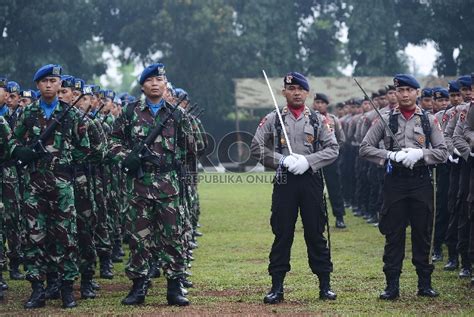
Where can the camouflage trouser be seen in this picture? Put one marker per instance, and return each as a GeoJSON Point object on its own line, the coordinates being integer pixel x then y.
{"type": "Point", "coordinates": [186, 208]}
{"type": "Point", "coordinates": [196, 208]}
{"type": "Point", "coordinates": [3, 260]}
{"type": "Point", "coordinates": [86, 222]}
{"type": "Point", "coordinates": [101, 237]}
{"type": "Point", "coordinates": [51, 230]}
{"type": "Point", "coordinates": [155, 226]}
{"type": "Point", "coordinates": [12, 219]}
{"type": "Point", "coordinates": [114, 203]}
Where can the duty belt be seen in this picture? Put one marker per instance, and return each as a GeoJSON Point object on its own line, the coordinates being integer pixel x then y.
{"type": "Point", "coordinates": [406, 172]}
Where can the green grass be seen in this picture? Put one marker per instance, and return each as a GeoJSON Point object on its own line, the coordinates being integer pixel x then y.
{"type": "Point", "coordinates": [230, 270]}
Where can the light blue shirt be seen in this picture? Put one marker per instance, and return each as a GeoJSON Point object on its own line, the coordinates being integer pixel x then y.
{"type": "Point", "coordinates": [48, 108]}
{"type": "Point", "coordinates": [3, 110]}
{"type": "Point", "coordinates": [155, 107]}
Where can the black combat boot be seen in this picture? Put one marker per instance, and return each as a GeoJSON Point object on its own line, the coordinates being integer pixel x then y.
{"type": "Point", "coordinates": [3, 284]}
{"type": "Point", "coordinates": [53, 284]}
{"type": "Point", "coordinates": [424, 286]}
{"type": "Point", "coordinates": [197, 233]}
{"type": "Point", "coordinates": [465, 272]}
{"type": "Point", "coordinates": [437, 254]}
{"type": "Point", "coordinates": [392, 291]}
{"type": "Point", "coordinates": [1, 294]}
{"type": "Point", "coordinates": [340, 222]}
{"type": "Point", "coordinates": [186, 283]}
{"type": "Point", "coordinates": [116, 257]}
{"type": "Point", "coordinates": [452, 264]}
{"type": "Point", "coordinates": [174, 294]}
{"type": "Point", "coordinates": [325, 291]}
{"type": "Point", "coordinates": [275, 295]}
{"type": "Point", "coordinates": [37, 298]}
{"type": "Point", "coordinates": [136, 296]}
{"type": "Point", "coordinates": [106, 267]}
{"type": "Point", "coordinates": [95, 285]}
{"type": "Point", "coordinates": [87, 290]}
{"type": "Point", "coordinates": [67, 295]}
{"type": "Point", "coordinates": [15, 270]}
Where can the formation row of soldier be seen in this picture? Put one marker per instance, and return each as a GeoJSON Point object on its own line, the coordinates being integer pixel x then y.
{"type": "Point", "coordinates": [362, 188]}
{"type": "Point", "coordinates": [80, 176]}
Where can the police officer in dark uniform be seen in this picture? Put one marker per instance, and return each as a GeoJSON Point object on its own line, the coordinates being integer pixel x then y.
{"type": "Point", "coordinates": [332, 173]}
{"type": "Point", "coordinates": [407, 188]}
{"type": "Point", "coordinates": [298, 185]}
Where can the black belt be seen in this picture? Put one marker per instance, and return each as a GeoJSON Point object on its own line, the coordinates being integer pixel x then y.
{"type": "Point", "coordinates": [406, 172]}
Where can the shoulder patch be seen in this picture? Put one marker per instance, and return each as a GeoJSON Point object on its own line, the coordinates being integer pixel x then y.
{"type": "Point", "coordinates": [262, 122]}
{"type": "Point", "coordinates": [436, 123]}
{"type": "Point", "coordinates": [462, 116]}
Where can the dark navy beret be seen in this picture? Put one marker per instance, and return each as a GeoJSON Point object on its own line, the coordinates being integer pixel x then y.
{"type": "Point", "coordinates": [107, 93]}
{"type": "Point", "coordinates": [294, 78]}
{"type": "Point", "coordinates": [68, 81]}
{"type": "Point", "coordinates": [390, 87]}
{"type": "Point", "coordinates": [95, 89]}
{"type": "Point", "coordinates": [3, 82]}
{"type": "Point", "coordinates": [375, 95]}
{"type": "Point", "coordinates": [88, 90]}
{"type": "Point", "coordinates": [401, 80]}
{"type": "Point", "coordinates": [181, 94]}
{"type": "Point", "coordinates": [440, 92]}
{"type": "Point", "coordinates": [426, 92]}
{"type": "Point", "coordinates": [453, 86]}
{"type": "Point", "coordinates": [28, 94]}
{"type": "Point", "coordinates": [79, 84]}
{"type": "Point", "coordinates": [13, 86]}
{"type": "Point", "coordinates": [382, 92]}
{"type": "Point", "coordinates": [465, 81]}
{"type": "Point", "coordinates": [320, 96]}
{"type": "Point", "coordinates": [152, 70]}
{"type": "Point", "coordinates": [48, 70]}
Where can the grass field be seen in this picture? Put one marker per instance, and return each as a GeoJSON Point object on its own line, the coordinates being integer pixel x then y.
{"type": "Point", "coordinates": [230, 270]}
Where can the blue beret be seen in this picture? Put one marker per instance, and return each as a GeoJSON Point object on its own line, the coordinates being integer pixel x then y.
{"type": "Point", "coordinates": [48, 70]}
{"type": "Point", "coordinates": [131, 98]}
{"type": "Point", "coordinates": [28, 94]}
{"type": "Point", "coordinates": [152, 70]}
{"type": "Point", "coordinates": [95, 89]}
{"type": "Point", "coordinates": [79, 84]}
{"type": "Point", "coordinates": [320, 96]}
{"type": "Point", "coordinates": [107, 93]}
{"type": "Point", "coordinates": [3, 82]}
{"type": "Point", "coordinates": [453, 86]}
{"type": "Point", "coordinates": [67, 81]}
{"type": "Point", "coordinates": [465, 81]}
{"type": "Point", "coordinates": [440, 92]}
{"type": "Point", "coordinates": [13, 86]}
{"type": "Point", "coordinates": [401, 80]}
{"type": "Point", "coordinates": [88, 89]}
{"type": "Point", "coordinates": [123, 96]}
{"type": "Point", "coordinates": [181, 94]}
{"type": "Point", "coordinates": [389, 87]}
{"type": "Point", "coordinates": [294, 78]}
{"type": "Point", "coordinates": [426, 92]}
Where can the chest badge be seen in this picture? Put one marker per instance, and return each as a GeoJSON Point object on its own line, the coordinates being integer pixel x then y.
{"type": "Point", "coordinates": [421, 139]}
{"type": "Point", "coordinates": [310, 138]}
{"type": "Point", "coordinates": [283, 141]}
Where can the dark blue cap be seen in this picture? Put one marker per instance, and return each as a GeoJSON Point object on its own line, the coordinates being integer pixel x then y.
{"type": "Point", "coordinates": [107, 93]}
{"type": "Point", "coordinates": [453, 86]}
{"type": "Point", "coordinates": [88, 89]}
{"type": "Point", "coordinates": [294, 78]}
{"type": "Point", "coordinates": [48, 70]}
{"type": "Point", "coordinates": [440, 92]}
{"type": "Point", "coordinates": [401, 80]}
{"type": "Point", "coordinates": [389, 87]}
{"type": "Point", "coordinates": [28, 93]}
{"type": "Point", "coordinates": [426, 92]}
{"type": "Point", "coordinates": [465, 81]}
{"type": "Point", "coordinates": [68, 81]}
{"type": "Point", "coordinates": [157, 69]}
{"type": "Point", "coordinates": [95, 89]}
{"type": "Point", "coordinates": [181, 94]}
{"type": "Point", "coordinates": [3, 82]}
{"type": "Point", "coordinates": [320, 96]}
{"type": "Point", "coordinates": [79, 84]}
{"type": "Point", "coordinates": [13, 86]}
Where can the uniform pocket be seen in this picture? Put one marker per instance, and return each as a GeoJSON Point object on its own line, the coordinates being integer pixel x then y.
{"type": "Point", "coordinates": [308, 136]}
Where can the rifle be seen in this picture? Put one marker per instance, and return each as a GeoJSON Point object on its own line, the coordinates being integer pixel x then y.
{"type": "Point", "coordinates": [199, 113]}
{"type": "Point", "coordinates": [143, 151]}
{"type": "Point", "coordinates": [10, 118]}
{"type": "Point", "coordinates": [192, 108]}
{"type": "Point", "coordinates": [98, 111]}
{"type": "Point", "coordinates": [38, 146]}
{"type": "Point", "coordinates": [86, 112]}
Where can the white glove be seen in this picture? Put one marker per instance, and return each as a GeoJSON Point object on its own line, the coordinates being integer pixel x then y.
{"type": "Point", "coordinates": [300, 166]}
{"type": "Point", "coordinates": [471, 154]}
{"type": "Point", "coordinates": [453, 160]}
{"type": "Point", "coordinates": [413, 156]}
{"type": "Point", "coordinates": [457, 152]}
{"type": "Point", "coordinates": [397, 156]}
{"type": "Point", "coordinates": [288, 161]}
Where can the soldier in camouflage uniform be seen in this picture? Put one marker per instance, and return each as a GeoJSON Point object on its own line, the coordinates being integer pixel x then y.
{"type": "Point", "coordinates": [153, 212]}
{"type": "Point", "coordinates": [11, 193]}
{"type": "Point", "coordinates": [49, 197]}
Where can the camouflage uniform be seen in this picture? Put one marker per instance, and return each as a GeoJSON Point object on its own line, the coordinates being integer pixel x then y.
{"type": "Point", "coordinates": [49, 197]}
{"type": "Point", "coordinates": [153, 213]}
{"type": "Point", "coordinates": [5, 134]}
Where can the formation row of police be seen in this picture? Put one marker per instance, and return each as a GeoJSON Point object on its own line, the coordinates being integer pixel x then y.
{"type": "Point", "coordinates": [83, 170]}
{"type": "Point", "coordinates": [402, 157]}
